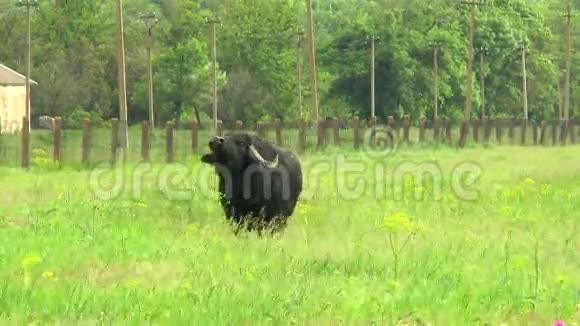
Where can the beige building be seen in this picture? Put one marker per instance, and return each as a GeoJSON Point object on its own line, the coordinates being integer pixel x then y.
{"type": "Point", "coordinates": [12, 99]}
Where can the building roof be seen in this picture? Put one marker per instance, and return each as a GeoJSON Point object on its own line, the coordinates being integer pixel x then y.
{"type": "Point", "coordinates": [11, 77]}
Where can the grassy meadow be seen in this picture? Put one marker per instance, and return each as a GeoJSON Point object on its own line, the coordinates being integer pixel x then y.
{"type": "Point", "coordinates": [499, 245]}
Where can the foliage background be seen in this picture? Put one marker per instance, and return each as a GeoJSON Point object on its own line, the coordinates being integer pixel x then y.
{"type": "Point", "coordinates": [74, 57]}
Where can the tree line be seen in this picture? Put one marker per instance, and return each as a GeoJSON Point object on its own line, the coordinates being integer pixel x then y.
{"type": "Point", "coordinates": [74, 58]}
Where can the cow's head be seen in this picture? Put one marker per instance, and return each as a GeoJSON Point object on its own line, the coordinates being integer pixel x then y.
{"type": "Point", "coordinates": [238, 151]}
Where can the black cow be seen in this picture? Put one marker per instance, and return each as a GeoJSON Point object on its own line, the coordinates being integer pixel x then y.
{"type": "Point", "coordinates": [259, 182]}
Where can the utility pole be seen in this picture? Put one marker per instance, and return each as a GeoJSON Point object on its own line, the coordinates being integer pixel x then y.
{"type": "Point", "coordinates": [436, 77]}
{"type": "Point", "coordinates": [560, 95]}
{"type": "Point", "coordinates": [213, 22]}
{"type": "Point", "coordinates": [468, 85]}
{"type": "Point", "coordinates": [312, 62]}
{"type": "Point", "coordinates": [468, 82]}
{"type": "Point", "coordinates": [568, 63]}
{"type": "Point", "coordinates": [28, 4]}
{"type": "Point", "coordinates": [149, 23]}
{"type": "Point", "coordinates": [372, 76]}
{"type": "Point", "coordinates": [300, 36]}
{"type": "Point", "coordinates": [436, 48]}
{"type": "Point", "coordinates": [482, 52]}
{"type": "Point", "coordinates": [524, 87]}
{"type": "Point", "coordinates": [123, 128]}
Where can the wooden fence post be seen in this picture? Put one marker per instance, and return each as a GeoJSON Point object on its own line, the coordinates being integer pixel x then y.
{"type": "Point", "coordinates": [373, 129]}
{"type": "Point", "coordinates": [25, 143]}
{"type": "Point", "coordinates": [524, 131]}
{"type": "Point", "coordinates": [239, 125]}
{"type": "Point", "coordinates": [57, 142]}
{"type": "Point", "coordinates": [301, 134]}
{"type": "Point", "coordinates": [554, 132]}
{"type": "Point", "coordinates": [194, 136]}
{"type": "Point", "coordinates": [321, 133]}
{"type": "Point", "coordinates": [422, 129]}
{"type": "Point", "coordinates": [335, 131]}
{"type": "Point", "coordinates": [220, 128]}
{"type": "Point", "coordinates": [448, 137]}
{"type": "Point", "coordinates": [563, 131]}
{"type": "Point", "coordinates": [169, 142]}
{"type": "Point", "coordinates": [499, 123]}
{"type": "Point", "coordinates": [145, 141]}
{"type": "Point", "coordinates": [476, 125]}
{"type": "Point", "coordinates": [114, 139]}
{"type": "Point", "coordinates": [406, 128]}
{"type": "Point", "coordinates": [463, 130]}
{"type": "Point", "coordinates": [87, 141]}
{"type": "Point", "coordinates": [511, 129]}
{"type": "Point", "coordinates": [260, 130]}
{"type": "Point", "coordinates": [443, 130]}
{"type": "Point", "coordinates": [572, 130]}
{"type": "Point", "coordinates": [436, 129]}
{"type": "Point", "coordinates": [543, 126]}
{"type": "Point", "coordinates": [394, 125]}
{"type": "Point", "coordinates": [278, 127]}
{"type": "Point", "coordinates": [486, 129]}
{"type": "Point", "coordinates": [356, 131]}
{"type": "Point", "coordinates": [534, 133]}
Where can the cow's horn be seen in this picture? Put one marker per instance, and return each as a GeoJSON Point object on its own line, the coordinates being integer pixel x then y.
{"type": "Point", "coordinates": [259, 157]}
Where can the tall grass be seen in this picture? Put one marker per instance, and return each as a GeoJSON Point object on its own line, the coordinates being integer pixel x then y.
{"type": "Point", "coordinates": [511, 255]}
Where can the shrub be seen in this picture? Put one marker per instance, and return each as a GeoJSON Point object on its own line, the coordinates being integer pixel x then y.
{"type": "Point", "coordinates": [74, 119]}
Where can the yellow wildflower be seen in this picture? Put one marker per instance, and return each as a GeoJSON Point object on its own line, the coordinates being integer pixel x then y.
{"type": "Point", "coordinates": [398, 222]}
{"type": "Point", "coordinates": [250, 275]}
{"type": "Point", "coordinates": [133, 284]}
{"type": "Point", "coordinates": [472, 239]}
{"type": "Point", "coordinates": [529, 181]}
{"type": "Point", "coordinates": [546, 189]}
{"type": "Point", "coordinates": [304, 209]}
{"type": "Point", "coordinates": [29, 262]}
{"type": "Point", "coordinates": [192, 229]}
{"type": "Point", "coordinates": [393, 285]}
{"type": "Point", "coordinates": [510, 211]}
{"type": "Point", "coordinates": [186, 286]}
{"type": "Point", "coordinates": [49, 276]}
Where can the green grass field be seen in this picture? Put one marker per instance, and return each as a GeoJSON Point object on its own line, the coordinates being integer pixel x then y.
{"type": "Point", "coordinates": [503, 248]}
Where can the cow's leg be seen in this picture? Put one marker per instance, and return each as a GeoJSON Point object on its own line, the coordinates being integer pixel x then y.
{"type": "Point", "coordinates": [253, 219]}
{"type": "Point", "coordinates": [276, 218]}
{"type": "Point", "coordinates": [278, 224]}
